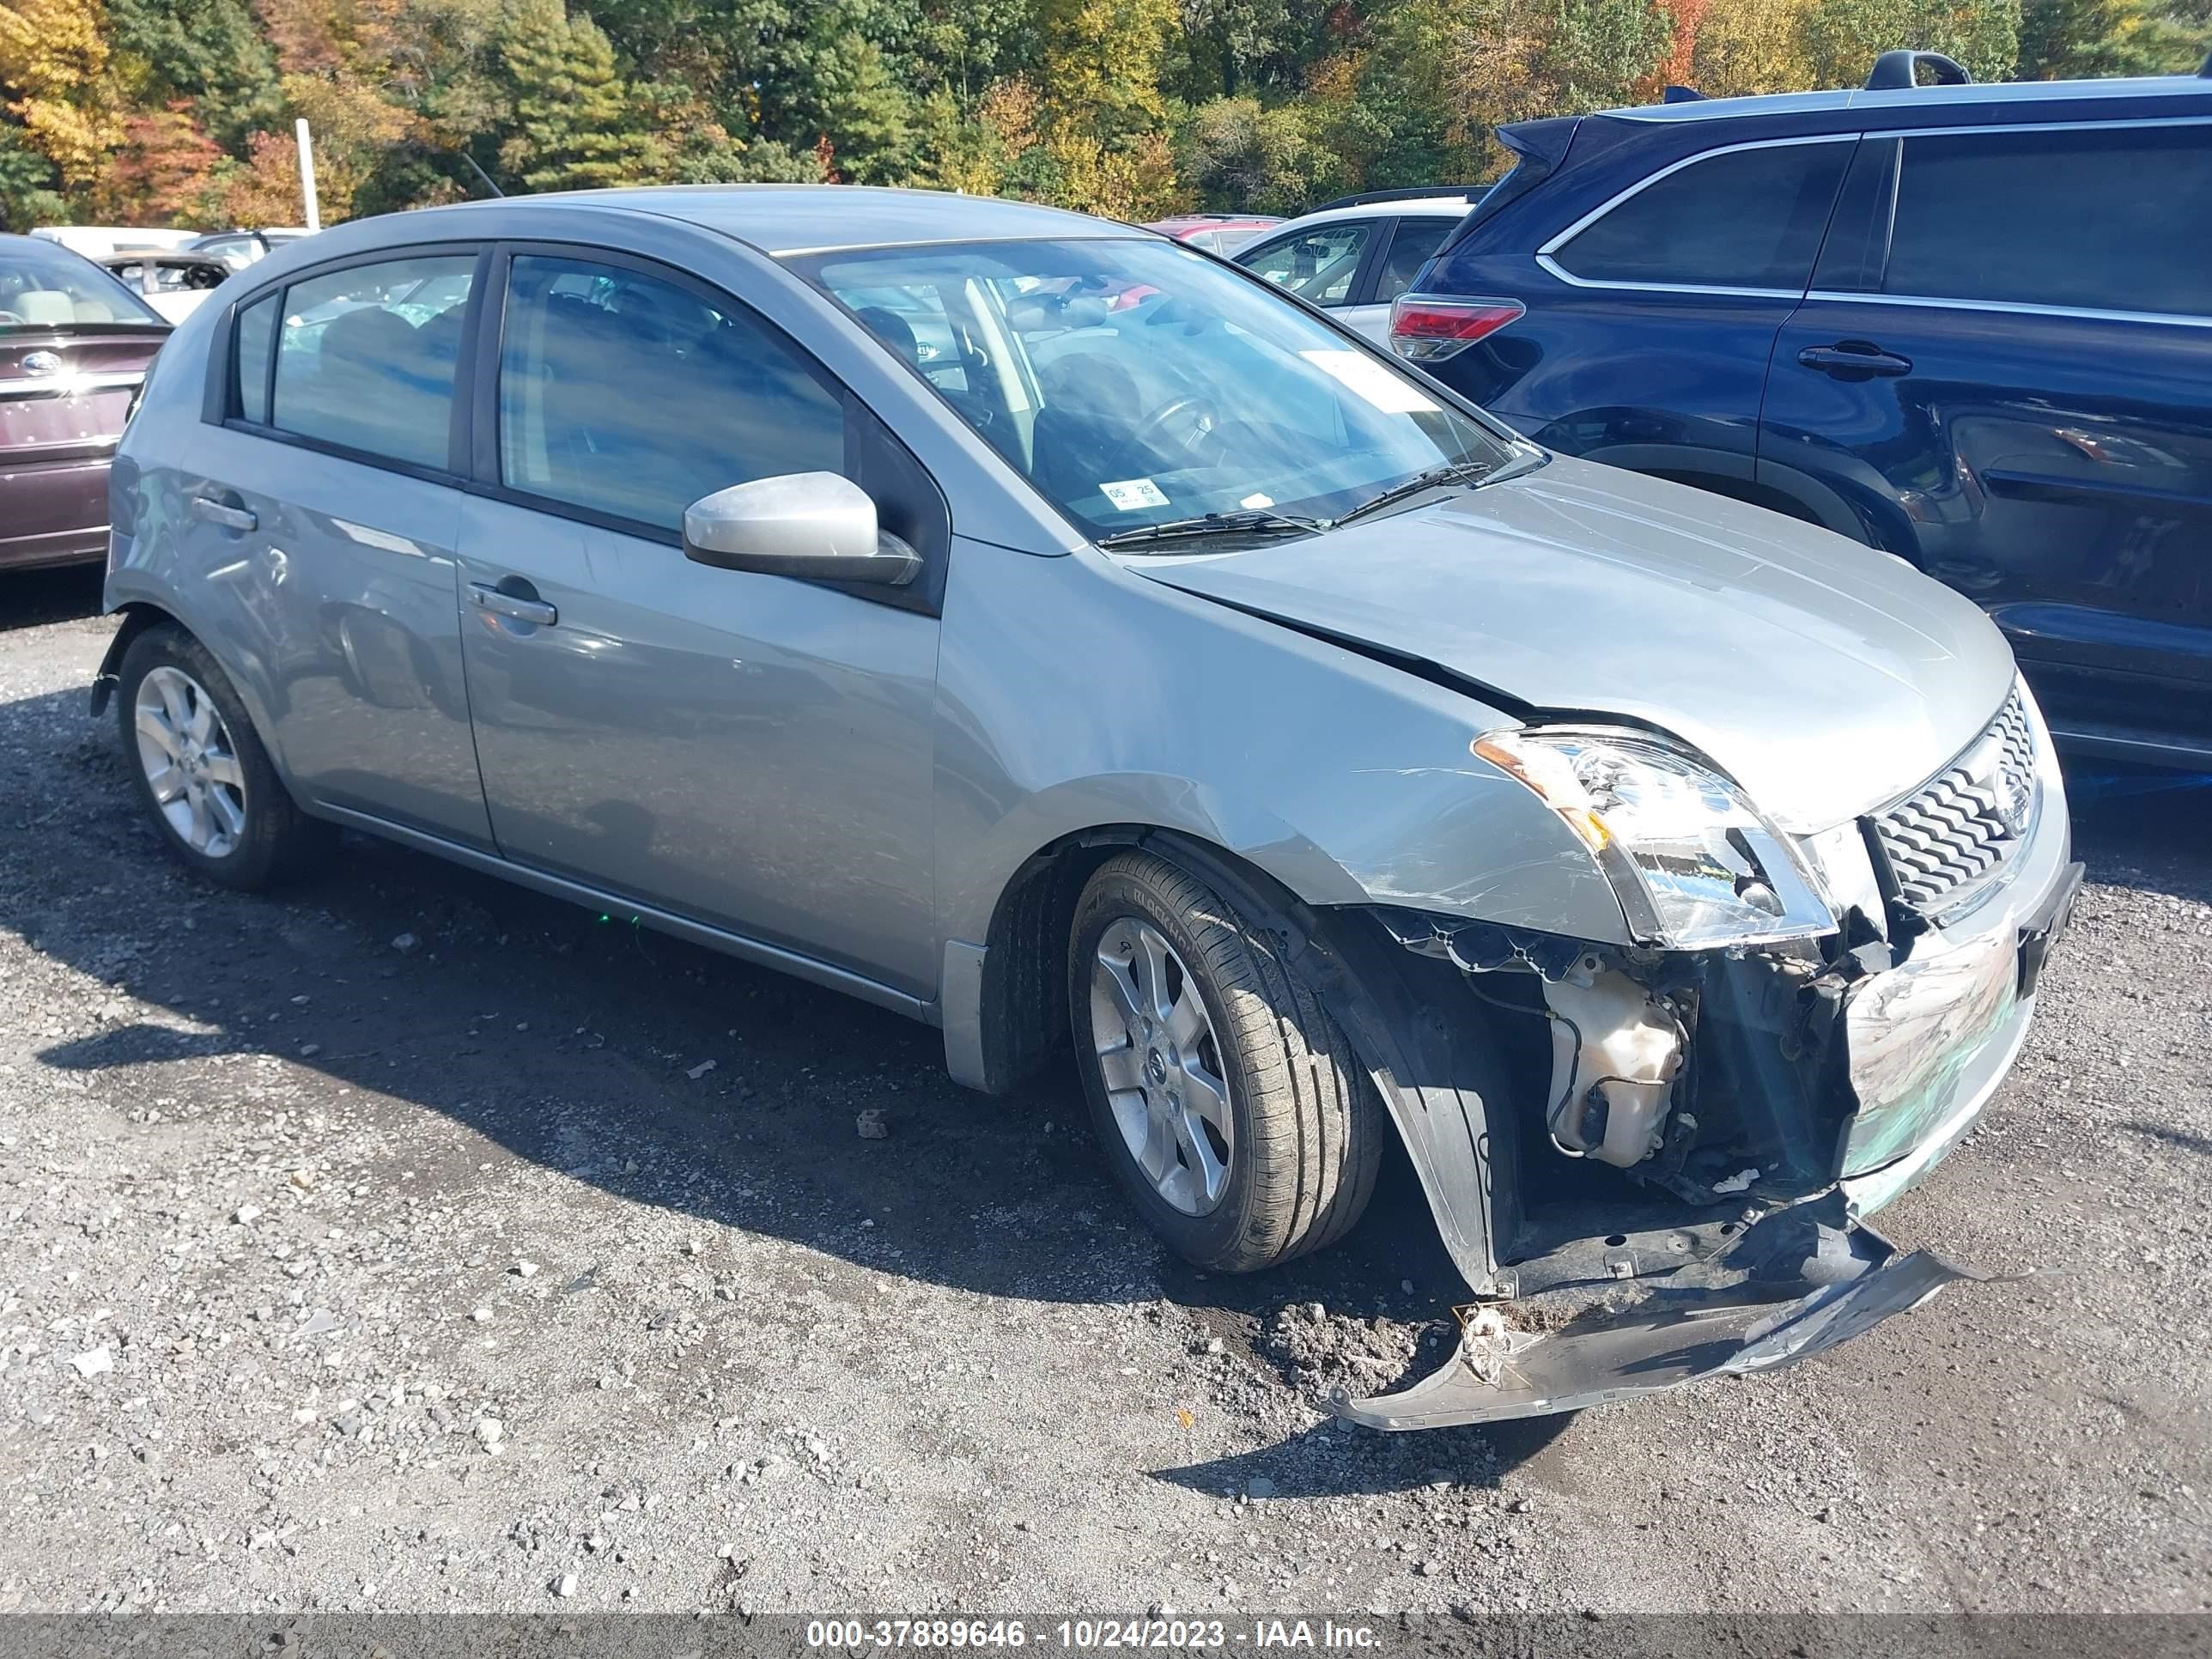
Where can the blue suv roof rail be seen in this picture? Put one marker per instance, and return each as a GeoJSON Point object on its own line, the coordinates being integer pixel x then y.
{"type": "Point", "coordinates": [1893, 71]}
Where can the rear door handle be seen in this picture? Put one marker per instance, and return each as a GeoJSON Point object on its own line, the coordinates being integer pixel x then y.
{"type": "Point", "coordinates": [222, 513]}
{"type": "Point", "coordinates": [1854, 357]}
{"type": "Point", "coordinates": [488, 598]}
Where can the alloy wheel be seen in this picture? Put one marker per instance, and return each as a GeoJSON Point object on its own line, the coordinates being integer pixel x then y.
{"type": "Point", "coordinates": [189, 764]}
{"type": "Point", "coordinates": [1161, 1063]}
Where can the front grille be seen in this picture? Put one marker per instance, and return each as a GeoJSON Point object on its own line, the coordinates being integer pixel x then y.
{"type": "Point", "coordinates": [1949, 836]}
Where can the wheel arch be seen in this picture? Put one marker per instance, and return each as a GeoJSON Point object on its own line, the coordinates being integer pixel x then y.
{"type": "Point", "coordinates": [1005, 1011]}
{"type": "Point", "coordinates": [138, 616]}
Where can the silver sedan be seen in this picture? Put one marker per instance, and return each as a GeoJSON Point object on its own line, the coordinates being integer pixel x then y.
{"type": "Point", "coordinates": [1061, 636]}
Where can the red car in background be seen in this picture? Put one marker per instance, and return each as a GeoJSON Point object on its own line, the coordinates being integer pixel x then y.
{"type": "Point", "coordinates": [75, 347]}
{"type": "Point", "coordinates": [1217, 233]}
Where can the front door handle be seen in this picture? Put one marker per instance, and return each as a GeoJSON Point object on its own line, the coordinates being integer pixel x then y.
{"type": "Point", "coordinates": [502, 603]}
{"type": "Point", "coordinates": [222, 513]}
{"type": "Point", "coordinates": [1854, 358]}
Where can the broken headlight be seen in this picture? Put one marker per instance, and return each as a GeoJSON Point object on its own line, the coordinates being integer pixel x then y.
{"type": "Point", "coordinates": [1691, 860]}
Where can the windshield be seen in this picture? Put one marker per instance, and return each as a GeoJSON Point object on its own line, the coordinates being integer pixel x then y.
{"type": "Point", "coordinates": [42, 286]}
{"type": "Point", "coordinates": [1138, 383]}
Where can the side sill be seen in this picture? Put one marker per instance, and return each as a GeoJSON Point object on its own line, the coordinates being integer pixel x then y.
{"type": "Point", "coordinates": [667, 921]}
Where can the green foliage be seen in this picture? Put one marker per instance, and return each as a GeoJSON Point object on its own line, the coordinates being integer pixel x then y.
{"type": "Point", "coordinates": [2069, 40]}
{"type": "Point", "coordinates": [862, 118]}
{"type": "Point", "coordinates": [1416, 97]}
{"type": "Point", "coordinates": [1239, 153]}
{"type": "Point", "coordinates": [1844, 37]}
{"type": "Point", "coordinates": [29, 183]}
{"type": "Point", "coordinates": [210, 52]}
{"type": "Point", "coordinates": [575, 127]}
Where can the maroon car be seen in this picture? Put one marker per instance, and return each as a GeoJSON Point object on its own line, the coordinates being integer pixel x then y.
{"type": "Point", "coordinates": [75, 347]}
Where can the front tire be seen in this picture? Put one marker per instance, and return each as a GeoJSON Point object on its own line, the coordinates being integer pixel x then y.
{"type": "Point", "coordinates": [199, 768]}
{"type": "Point", "coordinates": [1224, 1095]}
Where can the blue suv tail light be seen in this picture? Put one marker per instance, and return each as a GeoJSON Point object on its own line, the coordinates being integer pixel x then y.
{"type": "Point", "coordinates": [1427, 329]}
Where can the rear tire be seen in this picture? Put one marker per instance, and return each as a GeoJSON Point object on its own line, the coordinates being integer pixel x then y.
{"type": "Point", "coordinates": [200, 770]}
{"type": "Point", "coordinates": [1174, 993]}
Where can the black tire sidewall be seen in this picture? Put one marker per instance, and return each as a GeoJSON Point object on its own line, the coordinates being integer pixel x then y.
{"type": "Point", "coordinates": [1210, 1239]}
{"type": "Point", "coordinates": [255, 858]}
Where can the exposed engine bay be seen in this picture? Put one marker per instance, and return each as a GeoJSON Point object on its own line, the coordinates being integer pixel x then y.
{"type": "Point", "coordinates": [1680, 1154]}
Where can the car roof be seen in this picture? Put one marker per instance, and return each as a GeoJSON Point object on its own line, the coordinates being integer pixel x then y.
{"type": "Point", "coordinates": [158, 256]}
{"type": "Point", "coordinates": [1450, 207]}
{"type": "Point", "coordinates": [1210, 221]}
{"type": "Point", "coordinates": [781, 219]}
{"type": "Point", "coordinates": [1935, 99]}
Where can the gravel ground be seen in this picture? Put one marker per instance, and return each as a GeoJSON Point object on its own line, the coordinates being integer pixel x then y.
{"type": "Point", "coordinates": [410, 1242]}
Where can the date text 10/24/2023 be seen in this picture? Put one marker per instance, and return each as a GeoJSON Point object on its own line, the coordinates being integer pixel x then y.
{"type": "Point", "coordinates": [1088, 1635]}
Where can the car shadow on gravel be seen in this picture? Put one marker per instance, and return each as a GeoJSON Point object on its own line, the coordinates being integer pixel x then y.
{"type": "Point", "coordinates": [33, 598]}
{"type": "Point", "coordinates": [660, 1074]}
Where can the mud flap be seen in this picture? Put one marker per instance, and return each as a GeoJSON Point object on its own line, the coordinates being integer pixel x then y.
{"type": "Point", "coordinates": [1675, 1334]}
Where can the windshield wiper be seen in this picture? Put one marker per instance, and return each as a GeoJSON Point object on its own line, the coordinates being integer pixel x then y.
{"type": "Point", "coordinates": [1214, 524]}
{"type": "Point", "coordinates": [1450, 472]}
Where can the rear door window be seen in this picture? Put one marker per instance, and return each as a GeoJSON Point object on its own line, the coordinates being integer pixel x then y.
{"type": "Point", "coordinates": [1411, 244]}
{"type": "Point", "coordinates": [631, 397]}
{"type": "Point", "coordinates": [2111, 220]}
{"type": "Point", "coordinates": [1742, 219]}
{"type": "Point", "coordinates": [366, 357]}
{"type": "Point", "coordinates": [1317, 264]}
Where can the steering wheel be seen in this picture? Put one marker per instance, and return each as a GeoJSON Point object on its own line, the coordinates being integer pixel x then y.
{"type": "Point", "coordinates": [1185, 425]}
{"type": "Point", "coordinates": [13, 317]}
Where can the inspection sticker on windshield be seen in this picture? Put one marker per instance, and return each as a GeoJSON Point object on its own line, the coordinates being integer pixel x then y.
{"type": "Point", "coordinates": [1131, 494]}
{"type": "Point", "coordinates": [1370, 380]}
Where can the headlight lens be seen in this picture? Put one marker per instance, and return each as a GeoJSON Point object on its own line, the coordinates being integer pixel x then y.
{"type": "Point", "coordinates": [1691, 861]}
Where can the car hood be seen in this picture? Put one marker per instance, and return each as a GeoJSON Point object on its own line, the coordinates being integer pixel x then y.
{"type": "Point", "coordinates": [1825, 677]}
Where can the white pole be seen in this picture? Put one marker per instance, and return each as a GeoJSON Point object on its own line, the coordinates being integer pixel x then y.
{"type": "Point", "coordinates": [308, 174]}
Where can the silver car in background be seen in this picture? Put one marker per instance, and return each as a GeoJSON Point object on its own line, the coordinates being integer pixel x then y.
{"type": "Point", "coordinates": [1061, 637]}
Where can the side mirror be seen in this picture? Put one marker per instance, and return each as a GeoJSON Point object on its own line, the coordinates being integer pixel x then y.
{"type": "Point", "coordinates": [814, 525]}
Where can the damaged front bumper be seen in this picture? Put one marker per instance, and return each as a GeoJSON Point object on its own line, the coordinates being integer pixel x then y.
{"type": "Point", "coordinates": [1683, 1193]}
{"type": "Point", "coordinates": [1719, 1317]}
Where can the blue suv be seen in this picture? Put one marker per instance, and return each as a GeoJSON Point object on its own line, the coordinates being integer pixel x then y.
{"type": "Point", "coordinates": [1971, 325]}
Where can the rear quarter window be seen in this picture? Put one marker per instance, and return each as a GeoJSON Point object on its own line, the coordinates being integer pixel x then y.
{"type": "Point", "coordinates": [257, 338]}
{"type": "Point", "coordinates": [1747, 219]}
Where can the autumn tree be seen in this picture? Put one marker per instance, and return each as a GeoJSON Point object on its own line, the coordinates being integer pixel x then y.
{"type": "Point", "coordinates": [54, 84]}
{"type": "Point", "coordinates": [160, 173]}
{"type": "Point", "coordinates": [1417, 99]}
{"type": "Point", "coordinates": [210, 55]}
{"type": "Point", "coordinates": [1104, 126]}
{"type": "Point", "coordinates": [1747, 46]}
{"type": "Point", "coordinates": [1686, 18]}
